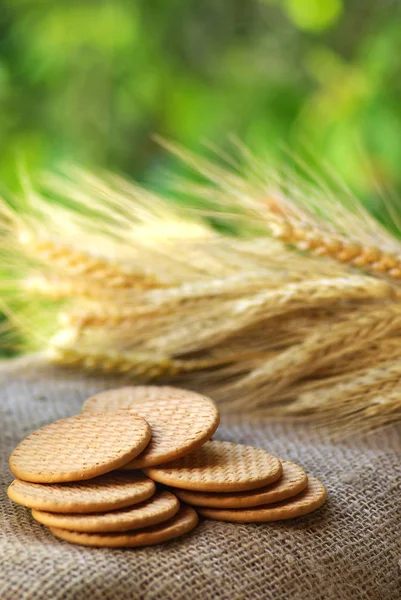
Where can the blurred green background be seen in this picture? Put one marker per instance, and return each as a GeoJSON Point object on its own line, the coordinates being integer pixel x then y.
{"type": "Point", "coordinates": [91, 81]}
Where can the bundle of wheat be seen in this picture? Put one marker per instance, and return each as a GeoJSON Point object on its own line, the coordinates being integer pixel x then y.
{"type": "Point", "coordinates": [298, 314]}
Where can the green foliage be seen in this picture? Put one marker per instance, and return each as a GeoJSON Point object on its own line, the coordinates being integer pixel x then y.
{"type": "Point", "coordinates": [90, 82]}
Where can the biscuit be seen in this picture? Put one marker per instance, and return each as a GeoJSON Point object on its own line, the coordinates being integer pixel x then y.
{"type": "Point", "coordinates": [219, 467]}
{"type": "Point", "coordinates": [106, 492]}
{"type": "Point", "coordinates": [80, 447]}
{"type": "Point", "coordinates": [292, 481]}
{"type": "Point", "coordinates": [161, 507]}
{"type": "Point", "coordinates": [306, 502]}
{"type": "Point", "coordinates": [181, 420]}
{"type": "Point", "coordinates": [184, 521]}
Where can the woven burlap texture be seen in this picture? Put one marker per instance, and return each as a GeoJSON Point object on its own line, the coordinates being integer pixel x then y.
{"type": "Point", "coordinates": [349, 550]}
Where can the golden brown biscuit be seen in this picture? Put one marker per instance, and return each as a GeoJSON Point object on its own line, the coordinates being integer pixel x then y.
{"type": "Point", "coordinates": [161, 507]}
{"type": "Point", "coordinates": [219, 467]}
{"type": "Point", "coordinates": [181, 420]}
{"type": "Point", "coordinates": [292, 481]}
{"type": "Point", "coordinates": [80, 447]}
{"type": "Point", "coordinates": [184, 521]}
{"type": "Point", "coordinates": [306, 502]}
{"type": "Point", "coordinates": [106, 492]}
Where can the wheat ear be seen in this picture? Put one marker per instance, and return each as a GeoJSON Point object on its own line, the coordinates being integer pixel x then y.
{"type": "Point", "coordinates": [364, 385]}
{"type": "Point", "coordinates": [80, 264]}
{"type": "Point", "coordinates": [318, 349]}
{"type": "Point", "coordinates": [323, 242]}
{"type": "Point", "coordinates": [59, 288]}
{"type": "Point", "coordinates": [369, 400]}
{"type": "Point", "coordinates": [139, 364]}
{"type": "Point", "coordinates": [289, 207]}
{"type": "Point", "coordinates": [230, 317]}
{"type": "Point", "coordinates": [344, 370]}
{"type": "Point", "coordinates": [379, 352]}
{"type": "Point", "coordinates": [239, 313]}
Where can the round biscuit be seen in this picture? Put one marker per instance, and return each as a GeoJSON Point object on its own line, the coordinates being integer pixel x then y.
{"type": "Point", "coordinates": [106, 492]}
{"type": "Point", "coordinates": [80, 447]}
{"type": "Point", "coordinates": [161, 507]}
{"type": "Point", "coordinates": [181, 420]}
{"type": "Point", "coordinates": [219, 467]}
{"type": "Point", "coordinates": [184, 521]}
{"type": "Point", "coordinates": [292, 481]}
{"type": "Point", "coordinates": [304, 503]}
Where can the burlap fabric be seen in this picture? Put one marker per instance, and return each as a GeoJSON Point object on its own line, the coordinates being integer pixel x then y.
{"type": "Point", "coordinates": [349, 550]}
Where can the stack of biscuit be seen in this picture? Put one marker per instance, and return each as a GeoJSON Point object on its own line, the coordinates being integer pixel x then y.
{"type": "Point", "coordinates": [91, 478]}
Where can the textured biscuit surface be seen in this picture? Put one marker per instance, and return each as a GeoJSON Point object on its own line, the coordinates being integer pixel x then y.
{"type": "Point", "coordinates": [218, 467]}
{"type": "Point", "coordinates": [292, 481]}
{"type": "Point", "coordinates": [184, 521]}
{"type": "Point", "coordinates": [106, 492]}
{"type": "Point", "coordinates": [304, 503]}
{"type": "Point", "coordinates": [161, 507]}
{"type": "Point", "coordinates": [181, 420]}
{"type": "Point", "coordinates": [80, 447]}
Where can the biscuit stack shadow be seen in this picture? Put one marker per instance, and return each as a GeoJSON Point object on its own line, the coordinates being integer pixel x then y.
{"type": "Point", "coordinates": [80, 476]}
